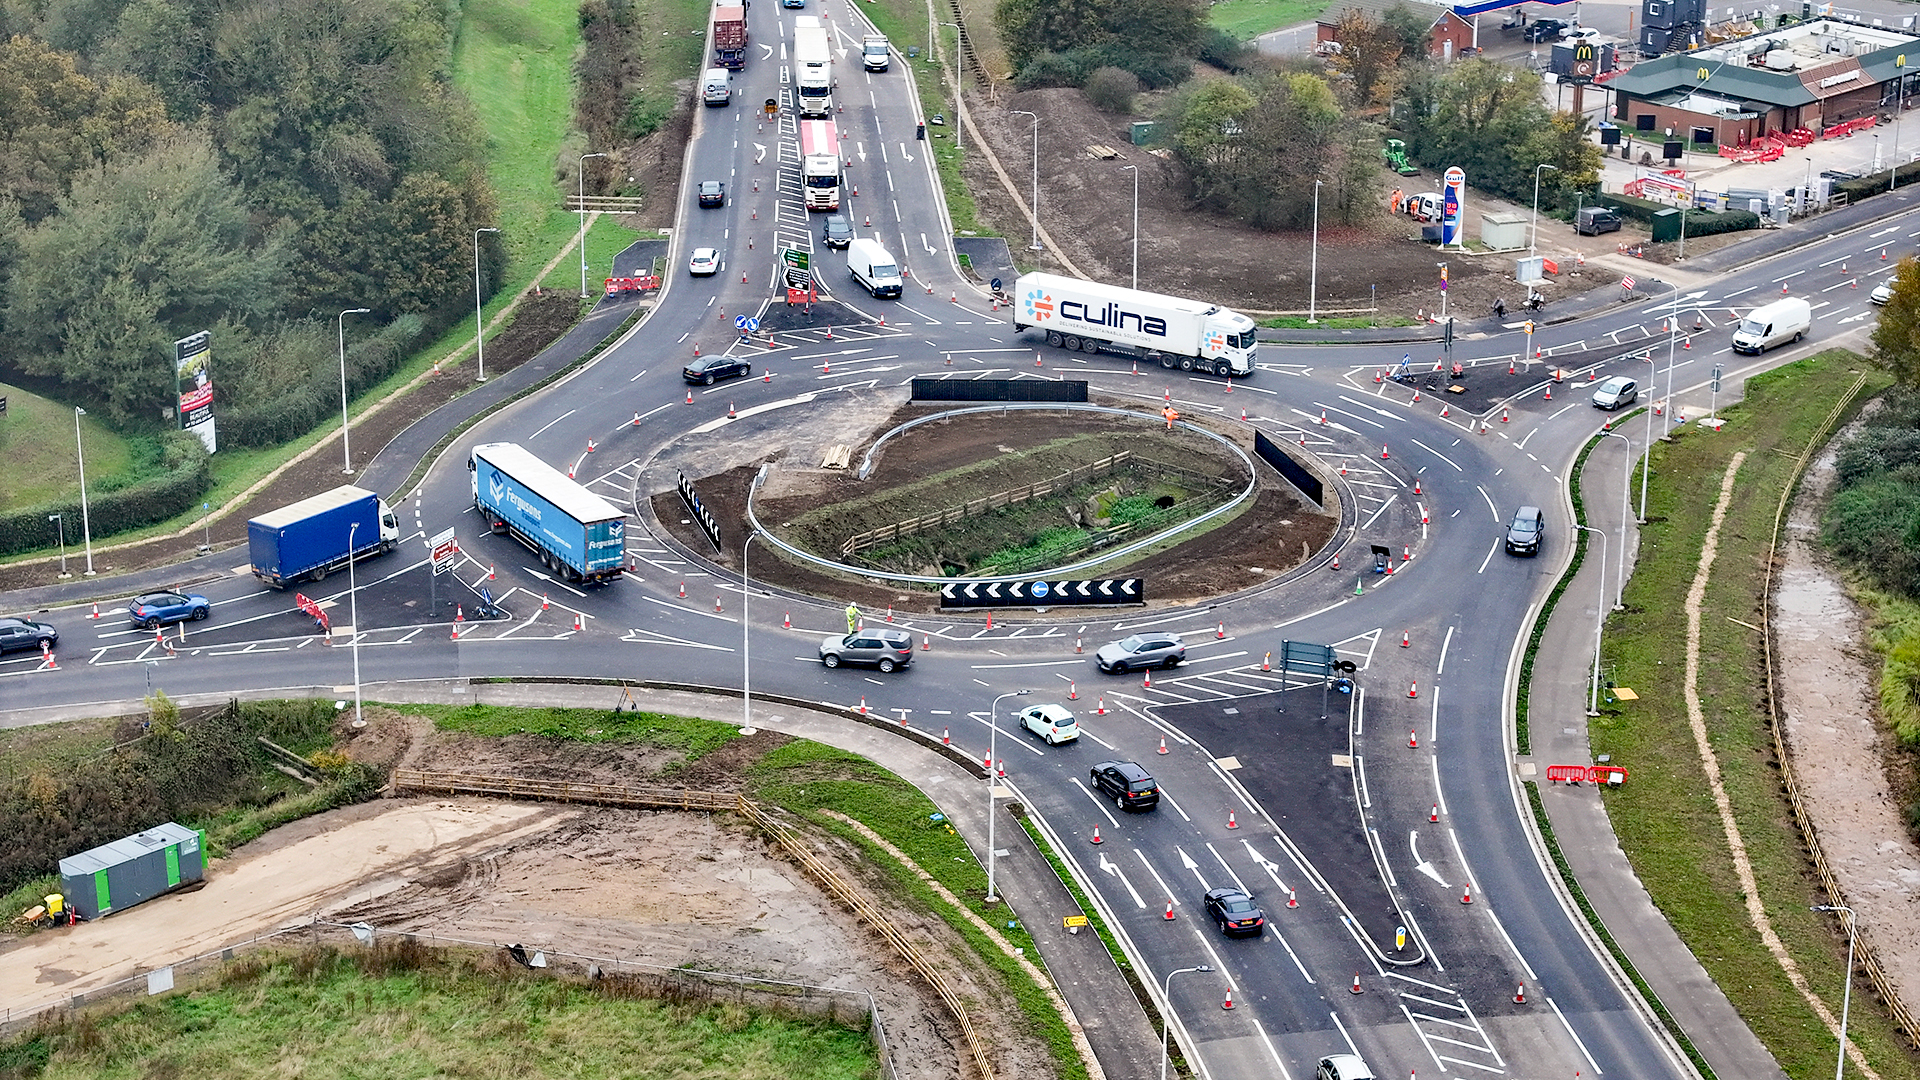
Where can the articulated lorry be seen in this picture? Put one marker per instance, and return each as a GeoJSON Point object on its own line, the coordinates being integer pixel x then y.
{"type": "Point", "coordinates": [730, 36]}
{"type": "Point", "coordinates": [1086, 316]}
{"type": "Point", "coordinates": [812, 67]}
{"type": "Point", "coordinates": [318, 535]}
{"type": "Point", "coordinates": [576, 533]}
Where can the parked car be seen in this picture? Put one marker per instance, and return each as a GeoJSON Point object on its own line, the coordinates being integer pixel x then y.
{"type": "Point", "coordinates": [1573, 35]}
{"type": "Point", "coordinates": [1594, 220]}
{"type": "Point", "coordinates": [19, 634]}
{"type": "Point", "coordinates": [1051, 722]}
{"type": "Point", "coordinates": [1528, 528]}
{"type": "Point", "coordinates": [1127, 784]}
{"type": "Point", "coordinates": [713, 193]}
{"type": "Point", "coordinates": [708, 370]}
{"type": "Point", "coordinates": [884, 649]}
{"type": "Point", "coordinates": [1342, 1067]}
{"type": "Point", "coordinates": [1881, 293]}
{"type": "Point", "coordinates": [1139, 651]}
{"type": "Point", "coordinates": [704, 262]}
{"type": "Point", "coordinates": [1614, 392]}
{"type": "Point", "coordinates": [154, 609]}
{"type": "Point", "coordinates": [1235, 913]}
{"type": "Point", "coordinates": [1545, 29]}
{"type": "Point", "coordinates": [836, 231]}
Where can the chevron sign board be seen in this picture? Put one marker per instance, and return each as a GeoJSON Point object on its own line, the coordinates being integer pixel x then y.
{"type": "Point", "coordinates": [1071, 593]}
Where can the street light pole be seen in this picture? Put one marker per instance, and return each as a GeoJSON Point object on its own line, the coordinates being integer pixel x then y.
{"type": "Point", "coordinates": [1135, 170]}
{"type": "Point", "coordinates": [1846, 996]}
{"type": "Point", "coordinates": [353, 612]}
{"type": "Point", "coordinates": [583, 222]}
{"type": "Point", "coordinates": [1599, 619]}
{"type": "Point", "coordinates": [479, 328]}
{"type": "Point", "coordinates": [959, 93]}
{"type": "Point", "coordinates": [1626, 490]}
{"type": "Point", "coordinates": [86, 521]}
{"type": "Point", "coordinates": [1034, 206]}
{"type": "Point", "coordinates": [346, 445]}
{"type": "Point", "coordinates": [993, 752]}
{"type": "Point", "coordinates": [60, 530]}
{"type": "Point", "coordinates": [1166, 1010]}
{"type": "Point", "coordinates": [1313, 276]}
{"type": "Point", "coordinates": [746, 623]}
{"type": "Point", "coordinates": [1533, 244]}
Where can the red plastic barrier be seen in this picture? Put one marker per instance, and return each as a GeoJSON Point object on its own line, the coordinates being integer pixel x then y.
{"type": "Point", "coordinates": [1566, 774]}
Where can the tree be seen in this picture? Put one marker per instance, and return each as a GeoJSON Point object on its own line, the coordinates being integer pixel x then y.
{"type": "Point", "coordinates": [1206, 137]}
{"type": "Point", "coordinates": [1480, 116]}
{"type": "Point", "coordinates": [1131, 35]}
{"type": "Point", "coordinates": [1291, 138]}
{"type": "Point", "coordinates": [55, 122]}
{"type": "Point", "coordinates": [1896, 336]}
{"type": "Point", "coordinates": [1369, 55]}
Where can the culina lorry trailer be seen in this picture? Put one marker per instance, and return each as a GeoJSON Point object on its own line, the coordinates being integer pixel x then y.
{"type": "Point", "coordinates": [316, 536]}
{"type": "Point", "coordinates": [574, 531]}
{"type": "Point", "coordinates": [1086, 316]}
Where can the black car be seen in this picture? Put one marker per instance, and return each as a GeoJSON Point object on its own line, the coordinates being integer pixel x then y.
{"type": "Point", "coordinates": [713, 193]}
{"type": "Point", "coordinates": [1130, 786]}
{"type": "Point", "coordinates": [1523, 536]}
{"type": "Point", "coordinates": [836, 231]}
{"type": "Point", "coordinates": [1235, 913]}
{"type": "Point", "coordinates": [884, 649]}
{"type": "Point", "coordinates": [711, 369]}
{"type": "Point", "coordinates": [18, 634]}
{"type": "Point", "coordinates": [1545, 30]}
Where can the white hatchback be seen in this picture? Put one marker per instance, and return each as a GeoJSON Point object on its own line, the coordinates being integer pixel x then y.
{"type": "Point", "coordinates": [1051, 722]}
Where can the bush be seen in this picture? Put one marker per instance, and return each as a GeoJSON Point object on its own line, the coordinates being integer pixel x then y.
{"type": "Point", "coordinates": [1223, 50]}
{"type": "Point", "coordinates": [1111, 89]}
{"type": "Point", "coordinates": [1641, 210]}
{"type": "Point", "coordinates": [1156, 70]}
{"type": "Point", "coordinates": [1709, 223]}
{"type": "Point", "coordinates": [1049, 69]}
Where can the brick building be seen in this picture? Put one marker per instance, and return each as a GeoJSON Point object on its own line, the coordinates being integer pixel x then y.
{"type": "Point", "coordinates": [1448, 35]}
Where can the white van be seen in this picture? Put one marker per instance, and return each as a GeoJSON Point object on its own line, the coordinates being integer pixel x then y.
{"type": "Point", "coordinates": [873, 268]}
{"type": "Point", "coordinates": [1773, 324]}
{"type": "Point", "coordinates": [715, 88]}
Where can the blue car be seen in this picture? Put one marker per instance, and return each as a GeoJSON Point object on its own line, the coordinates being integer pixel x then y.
{"type": "Point", "coordinates": [793, 3]}
{"type": "Point", "coordinates": [155, 609]}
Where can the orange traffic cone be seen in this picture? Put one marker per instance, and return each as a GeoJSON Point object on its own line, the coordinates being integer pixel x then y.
{"type": "Point", "coordinates": [1466, 894]}
{"type": "Point", "coordinates": [1228, 1004]}
{"type": "Point", "coordinates": [1096, 834]}
{"type": "Point", "coordinates": [1413, 739]}
{"type": "Point", "coordinates": [1520, 994]}
{"type": "Point", "coordinates": [1292, 900]}
{"type": "Point", "coordinates": [1433, 815]}
{"type": "Point", "coordinates": [1073, 692]}
{"type": "Point", "coordinates": [1169, 911]}
{"type": "Point", "coordinates": [1414, 690]}
{"type": "Point", "coordinates": [1406, 639]}
{"type": "Point", "coordinates": [1356, 984]}
{"type": "Point", "coordinates": [1231, 824]}
{"type": "Point", "coordinates": [1163, 744]}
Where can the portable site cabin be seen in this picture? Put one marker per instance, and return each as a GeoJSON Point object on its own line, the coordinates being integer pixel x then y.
{"type": "Point", "coordinates": [116, 876]}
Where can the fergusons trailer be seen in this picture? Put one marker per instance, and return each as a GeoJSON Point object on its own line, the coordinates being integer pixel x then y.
{"type": "Point", "coordinates": [574, 531]}
{"type": "Point", "coordinates": [1086, 316]}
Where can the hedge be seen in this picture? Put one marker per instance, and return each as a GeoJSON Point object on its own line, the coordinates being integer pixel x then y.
{"type": "Point", "coordinates": [184, 476]}
{"type": "Point", "coordinates": [1710, 223]}
{"type": "Point", "coordinates": [1868, 186]}
{"type": "Point", "coordinates": [1641, 210]}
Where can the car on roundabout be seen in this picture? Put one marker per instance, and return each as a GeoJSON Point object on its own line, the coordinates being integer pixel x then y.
{"type": "Point", "coordinates": [1614, 392]}
{"type": "Point", "coordinates": [1137, 652]}
{"type": "Point", "coordinates": [155, 609]}
{"type": "Point", "coordinates": [1234, 912]}
{"type": "Point", "coordinates": [21, 634]}
{"type": "Point", "coordinates": [883, 649]}
{"type": "Point", "coordinates": [704, 262]}
{"type": "Point", "coordinates": [708, 370]}
{"type": "Point", "coordinates": [1054, 723]}
{"type": "Point", "coordinates": [1342, 1067]}
{"type": "Point", "coordinates": [1881, 293]}
{"type": "Point", "coordinates": [1126, 783]}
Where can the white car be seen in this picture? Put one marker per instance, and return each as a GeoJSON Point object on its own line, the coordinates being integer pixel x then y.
{"type": "Point", "coordinates": [1881, 293]}
{"type": "Point", "coordinates": [705, 262]}
{"type": "Point", "coordinates": [1051, 722]}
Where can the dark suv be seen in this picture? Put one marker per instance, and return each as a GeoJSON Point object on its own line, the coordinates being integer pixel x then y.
{"type": "Point", "coordinates": [1523, 536]}
{"type": "Point", "coordinates": [884, 649]}
{"type": "Point", "coordinates": [1544, 30]}
{"type": "Point", "coordinates": [1130, 786]}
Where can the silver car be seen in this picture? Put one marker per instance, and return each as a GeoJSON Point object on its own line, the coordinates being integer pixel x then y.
{"type": "Point", "coordinates": [1140, 651]}
{"type": "Point", "coordinates": [884, 649]}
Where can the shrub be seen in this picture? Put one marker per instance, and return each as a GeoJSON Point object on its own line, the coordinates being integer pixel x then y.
{"type": "Point", "coordinates": [1049, 69]}
{"type": "Point", "coordinates": [1111, 89]}
{"type": "Point", "coordinates": [1709, 223]}
{"type": "Point", "coordinates": [1223, 50]}
{"type": "Point", "coordinates": [1641, 210]}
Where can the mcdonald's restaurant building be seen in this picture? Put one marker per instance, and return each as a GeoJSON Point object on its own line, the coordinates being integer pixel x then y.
{"type": "Point", "coordinates": [1812, 74]}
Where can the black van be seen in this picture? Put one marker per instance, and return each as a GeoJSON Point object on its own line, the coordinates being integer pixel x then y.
{"type": "Point", "coordinates": [1594, 220]}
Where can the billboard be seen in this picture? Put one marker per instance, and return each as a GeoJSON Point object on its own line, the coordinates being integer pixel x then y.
{"type": "Point", "coordinates": [192, 357]}
{"type": "Point", "coordinates": [1453, 186]}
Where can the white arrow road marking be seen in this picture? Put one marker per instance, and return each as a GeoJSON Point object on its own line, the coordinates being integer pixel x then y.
{"type": "Point", "coordinates": [1413, 844]}
{"type": "Point", "coordinates": [1272, 868]}
{"type": "Point", "coordinates": [760, 153]}
{"type": "Point", "coordinates": [1187, 862]}
{"type": "Point", "coordinates": [924, 244]}
{"type": "Point", "coordinates": [1108, 866]}
{"type": "Point", "coordinates": [766, 51]}
{"type": "Point", "coordinates": [904, 154]}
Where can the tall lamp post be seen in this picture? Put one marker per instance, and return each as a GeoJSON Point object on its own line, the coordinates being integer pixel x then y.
{"type": "Point", "coordinates": [1599, 620]}
{"type": "Point", "coordinates": [959, 97]}
{"type": "Point", "coordinates": [346, 445]}
{"type": "Point", "coordinates": [1533, 244]}
{"type": "Point", "coordinates": [1135, 170]}
{"type": "Point", "coordinates": [479, 328]}
{"type": "Point", "coordinates": [80, 453]}
{"type": "Point", "coordinates": [583, 222]}
{"type": "Point", "coordinates": [1626, 511]}
{"type": "Point", "coordinates": [1166, 1010]}
{"type": "Point", "coordinates": [60, 530]}
{"type": "Point", "coordinates": [1846, 996]}
{"type": "Point", "coordinates": [993, 757]}
{"type": "Point", "coordinates": [746, 623]}
{"type": "Point", "coordinates": [1035, 204]}
{"type": "Point", "coordinates": [353, 612]}
{"type": "Point", "coordinates": [1313, 276]}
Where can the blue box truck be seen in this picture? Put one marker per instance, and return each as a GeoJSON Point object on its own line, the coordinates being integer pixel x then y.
{"type": "Point", "coordinates": [315, 536]}
{"type": "Point", "coordinates": [575, 532]}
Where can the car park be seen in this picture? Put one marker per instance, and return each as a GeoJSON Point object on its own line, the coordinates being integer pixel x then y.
{"type": "Point", "coordinates": [1127, 784]}
{"type": "Point", "coordinates": [1234, 912]}
{"type": "Point", "coordinates": [836, 231]}
{"type": "Point", "coordinates": [1528, 528]}
{"type": "Point", "coordinates": [1881, 293]}
{"type": "Point", "coordinates": [704, 262]}
{"type": "Point", "coordinates": [1614, 392]}
{"type": "Point", "coordinates": [1051, 722]}
{"type": "Point", "coordinates": [707, 370]}
{"type": "Point", "coordinates": [154, 609]}
{"type": "Point", "coordinates": [713, 193]}
{"type": "Point", "coordinates": [1140, 651]}
{"type": "Point", "coordinates": [1342, 1067]}
{"type": "Point", "coordinates": [21, 634]}
{"type": "Point", "coordinates": [884, 649]}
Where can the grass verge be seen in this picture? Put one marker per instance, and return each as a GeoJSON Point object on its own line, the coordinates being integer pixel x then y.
{"type": "Point", "coordinates": [1665, 816]}
{"type": "Point", "coordinates": [1248, 19]}
{"type": "Point", "coordinates": [1340, 322]}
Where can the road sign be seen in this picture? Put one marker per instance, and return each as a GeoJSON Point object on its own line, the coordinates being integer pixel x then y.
{"type": "Point", "coordinates": [794, 258]}
{"type": "Point", "coordinates": [739, 322]}
{"type": "Point", "coordinates": [1716, 378]}
{"type": "Point", "coordinates": [445, 547]}
{"type": "Point", "coordinates": [1057, 593]}
{"type": "Point", "coordinates": [753, 325]}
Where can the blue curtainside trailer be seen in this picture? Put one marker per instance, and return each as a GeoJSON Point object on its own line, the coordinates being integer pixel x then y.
{"type": "Point", "coordinates": [573, 530]}
{"type": "Point", "coordinates": [318, 535]}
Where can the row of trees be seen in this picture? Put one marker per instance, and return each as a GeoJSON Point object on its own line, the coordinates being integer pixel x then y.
{"type": "Point", "coordinates": [1064, 43]}
{"type": "Point", "coordinates": [246, 166]}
